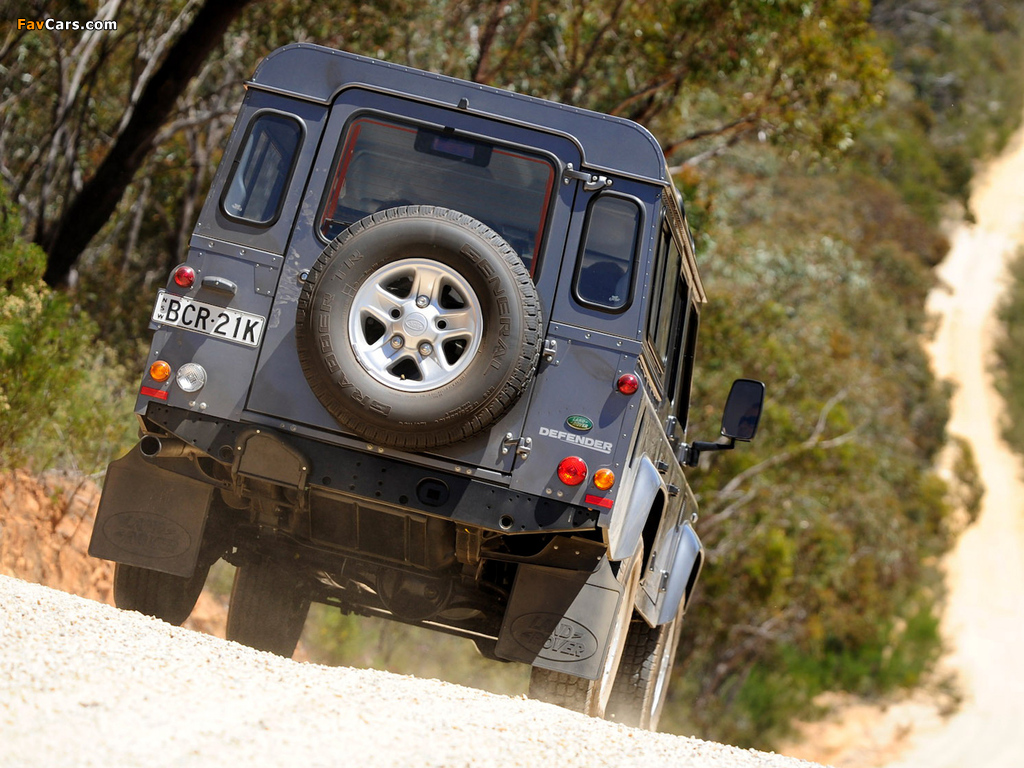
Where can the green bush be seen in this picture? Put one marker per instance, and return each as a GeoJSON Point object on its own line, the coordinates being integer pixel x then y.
{"type": "Point", "coordinates": [819, 570]}
{"type": "Point", "coordinates": [64, 399]}
{"type": "Point", "coordinates": [1009, 373]}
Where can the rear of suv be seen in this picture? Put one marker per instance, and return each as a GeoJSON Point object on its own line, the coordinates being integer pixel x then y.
{"type": "Point", "coordinates": [428, 358]}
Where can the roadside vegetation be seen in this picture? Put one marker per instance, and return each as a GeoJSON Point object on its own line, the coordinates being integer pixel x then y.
{"type": "Point", "coordinates": [818, 147]}
{"type": "Point", "coordinates": [1009, 369]}
{"type": "Point", "coordinates": [64, 396]}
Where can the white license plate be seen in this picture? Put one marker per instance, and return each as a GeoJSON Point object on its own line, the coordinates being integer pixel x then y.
{"type": "Point", "coordinates": [221, 322]}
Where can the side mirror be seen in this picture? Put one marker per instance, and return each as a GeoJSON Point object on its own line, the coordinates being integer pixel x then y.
{"type": "Point", "coordinates": [739, 421]}
{"type": "Point", "coordinates": [743, 410]}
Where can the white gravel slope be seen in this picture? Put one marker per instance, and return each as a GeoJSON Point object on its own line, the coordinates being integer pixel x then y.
{"type": "Point", "coordinates": [84, 684]}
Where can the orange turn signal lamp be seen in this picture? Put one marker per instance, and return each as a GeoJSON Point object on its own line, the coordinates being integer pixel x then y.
{"type": "Point", "coordinates": [160, 371]}
{"type": "Point", "coordinates": [604, 479]}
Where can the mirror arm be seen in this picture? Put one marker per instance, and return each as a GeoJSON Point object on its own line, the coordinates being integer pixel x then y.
{"type": "Point", "coordinates": [691, 452]}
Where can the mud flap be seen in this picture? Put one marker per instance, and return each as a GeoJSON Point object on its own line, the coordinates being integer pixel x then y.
{"type": "Point", "coordinates": [150, 517]}
{"type": "Point", "coordinates": [560, 620]}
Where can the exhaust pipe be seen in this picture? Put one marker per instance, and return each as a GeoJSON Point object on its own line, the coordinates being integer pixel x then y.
{"type": "Point", "coordinates": [153, 447]}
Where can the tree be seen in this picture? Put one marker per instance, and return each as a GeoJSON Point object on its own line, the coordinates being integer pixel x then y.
{"type": "Point", "coordinates": [145, 114]}
{"type": "Point", "coordinates": [787, 70]}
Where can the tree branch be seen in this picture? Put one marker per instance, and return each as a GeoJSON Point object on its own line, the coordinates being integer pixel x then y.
{"type": "Point", "coordinates": [731, 489]}
{"type": "Point", "coordinates": [100, 195]}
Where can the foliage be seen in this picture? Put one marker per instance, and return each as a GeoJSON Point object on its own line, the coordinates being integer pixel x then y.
{"type": "Point", "coordinates": [959, 95]}
{"type": "Point", "coordinates": [790, 71]}
{"type": "Point", "coordinates": [63, 397]}
{"type": "Point", "coordinates": [819, 535]}
{"type": "Point", "coordinates": [334, 638]}
{"type": "Point", "coordinates": [1009, 369]}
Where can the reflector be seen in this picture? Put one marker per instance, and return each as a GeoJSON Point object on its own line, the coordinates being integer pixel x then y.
{"type": "Point", "coordinates": [184, 276]}
{"type": "Point", "coordinates": [628, 384]}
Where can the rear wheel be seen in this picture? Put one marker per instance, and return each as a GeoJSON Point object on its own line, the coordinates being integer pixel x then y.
{"type": "Point", "coordinates": [269, 605]}
{"type": "Point", "coordinates": [641, 685]}
{"type": "Point", "coordinates": [162, 595]}
{"type": "Point", "coordinates": [578, 693]}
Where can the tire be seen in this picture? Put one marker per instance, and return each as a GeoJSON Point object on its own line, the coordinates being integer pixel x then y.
{"type": "Point", "coordinates": [162, 595]}
{"type": "Point", "coordinates": [578, 693]}
{"type": "Point", "coordinates": [269, 605]}
{"type": "Point", "coordinates": [418, 327]}
{"type": "Point", "coordinates": [641, 685]}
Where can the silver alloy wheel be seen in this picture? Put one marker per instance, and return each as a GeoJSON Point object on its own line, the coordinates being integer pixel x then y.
{"type": "Point", "coordinates": [416, 325]}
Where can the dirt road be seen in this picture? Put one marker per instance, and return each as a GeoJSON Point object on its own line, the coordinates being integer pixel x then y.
{"type": "Point", "coordinates": [984, 620]}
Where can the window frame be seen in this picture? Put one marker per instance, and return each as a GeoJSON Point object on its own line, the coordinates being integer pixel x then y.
{"type": "Point", "coordinates": [236, 164]}
{"type": "Point", "coordinates": [665, 355]}
{"type": "Point", "coordinates": [332, 181]}
{"type": "Point", "coordinates": [633, 261]}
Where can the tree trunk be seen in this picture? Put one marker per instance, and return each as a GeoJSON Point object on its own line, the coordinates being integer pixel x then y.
{"type": "Point", "coordinates": [96, 202]}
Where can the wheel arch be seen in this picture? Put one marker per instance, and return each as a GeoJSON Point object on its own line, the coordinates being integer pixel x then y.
{"type": "Point", "coordinates": [628, 526]}
{"type": "Point", "coordinates": [682, 576]}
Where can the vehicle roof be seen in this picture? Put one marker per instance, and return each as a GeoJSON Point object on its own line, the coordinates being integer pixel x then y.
{"type": "Point", "coordinates": [316, 73]}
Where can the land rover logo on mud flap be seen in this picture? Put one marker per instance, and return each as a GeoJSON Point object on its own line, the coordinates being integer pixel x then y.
{"type": "Point", "coordinates": [579, 423]}
{"type": "Point", "coordinates": [568, 641]}
{"type": "Point", "coordinates": [143, 533]}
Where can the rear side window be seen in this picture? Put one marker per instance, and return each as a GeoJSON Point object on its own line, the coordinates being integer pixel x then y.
{"type": "Point", "coordinates": [383, 164]}
{"type": "Point", "coordinates": [260, 173]}
{"type": "Point", "coordinates": [604, 274]}
{"type": "Point", "coordinates": [669, 287]}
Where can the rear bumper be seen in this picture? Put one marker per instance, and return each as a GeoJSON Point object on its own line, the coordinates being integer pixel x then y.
{"type": "Point", "coordinates": [251, 461]}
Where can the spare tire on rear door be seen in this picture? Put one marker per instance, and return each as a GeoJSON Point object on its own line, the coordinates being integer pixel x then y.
{"type": "Point", "coordinates": [417, 327]}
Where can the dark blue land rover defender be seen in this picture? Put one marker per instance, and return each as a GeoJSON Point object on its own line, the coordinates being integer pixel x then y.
{"type": "Point", "coordinates": [428, 358]}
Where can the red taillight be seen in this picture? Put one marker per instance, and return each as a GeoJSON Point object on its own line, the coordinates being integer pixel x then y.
{"type": "Point", "coordinates": [184, 276]}
{"type": "Point", "coordinates": [572, 470]}
{"type": "Point", "coordinates": [627, 384]}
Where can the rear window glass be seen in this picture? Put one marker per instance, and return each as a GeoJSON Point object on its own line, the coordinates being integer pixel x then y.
{"type": "Point", "coordinates": [605, 271]}
{"type": "Point", "coordinates": [383, 164]}
{"type": "Point", "coordinates": [259, 176]}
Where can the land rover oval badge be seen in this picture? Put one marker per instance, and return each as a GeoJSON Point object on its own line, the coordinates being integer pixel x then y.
{"type": "Point", "coordinates": [579, 423]}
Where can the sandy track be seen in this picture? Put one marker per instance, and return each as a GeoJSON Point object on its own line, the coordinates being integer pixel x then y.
{"type": "Point", "coordinates": [84, 684]}
{"type": "Point", "coordinates": [984, 619]}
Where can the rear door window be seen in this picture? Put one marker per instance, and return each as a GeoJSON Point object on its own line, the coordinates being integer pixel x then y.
{"type": "Point", "coordinates": [384, 164]}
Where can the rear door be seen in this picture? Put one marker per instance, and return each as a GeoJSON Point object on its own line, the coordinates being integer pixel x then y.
{"type": "Point", "coordinates": [576, 408]}
{"type": "Point", "coordinates": [373, 157]}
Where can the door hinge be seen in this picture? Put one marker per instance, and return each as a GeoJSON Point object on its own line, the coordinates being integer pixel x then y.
{"type": "Point", "coordinates": [550, 351]}
{"type": "Point", "coordinates": [523, 445]}
{"type": "Point", "coordinates": [591, 181]}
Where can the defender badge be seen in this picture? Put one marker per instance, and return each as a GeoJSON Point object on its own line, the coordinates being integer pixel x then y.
{"type": "Point", "coordinates": [579, 423]}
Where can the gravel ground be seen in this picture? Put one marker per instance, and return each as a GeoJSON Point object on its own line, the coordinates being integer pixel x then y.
{"type": "Point", "coordinates": [84, 684]}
